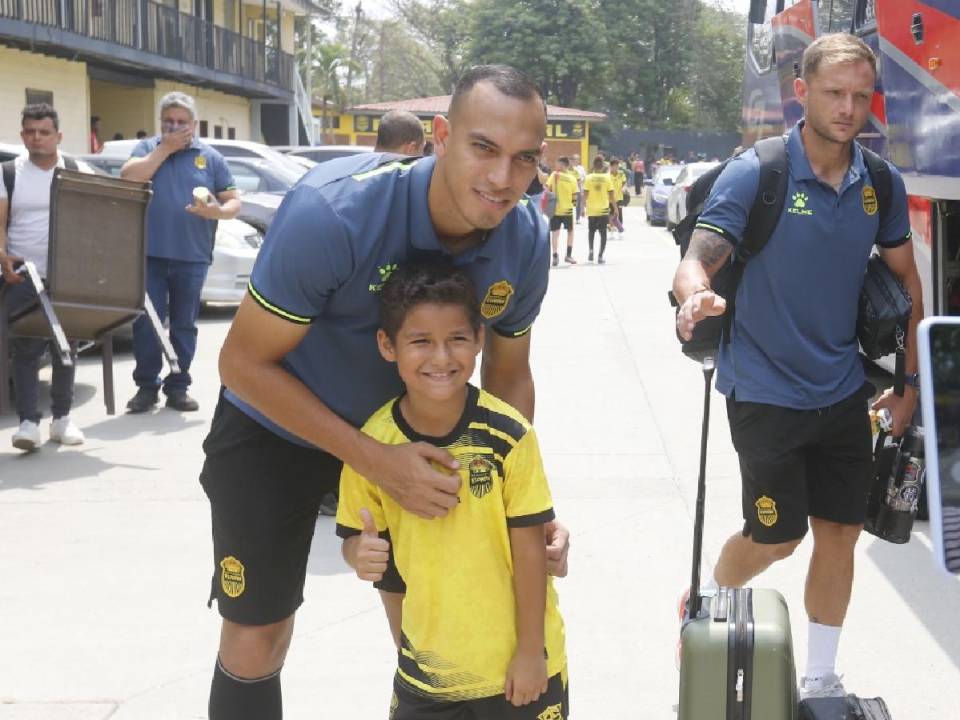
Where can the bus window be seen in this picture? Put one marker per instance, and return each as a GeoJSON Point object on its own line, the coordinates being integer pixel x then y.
{"type": "Point", "coordinates": [865, 17]}
{"type": "Point", "coordinates": [841, 15]}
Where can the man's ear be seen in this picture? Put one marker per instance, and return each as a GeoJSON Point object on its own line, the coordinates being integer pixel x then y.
{"type": "Point", "coordinates": [385, 346]}
{"type": "Point", "coordinates": [800, 90]}
{"type": "Point", "coordinates": [441, 132]}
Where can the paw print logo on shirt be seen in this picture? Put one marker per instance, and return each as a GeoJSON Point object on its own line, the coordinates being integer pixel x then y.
{"type": "Point", "coordinates": [800, 200]}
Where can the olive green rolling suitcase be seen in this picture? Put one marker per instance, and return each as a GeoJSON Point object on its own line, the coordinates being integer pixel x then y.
{"type": "Point", "coordinates": [736, 660]}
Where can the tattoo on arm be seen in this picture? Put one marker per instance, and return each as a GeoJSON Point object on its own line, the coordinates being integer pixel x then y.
{"type": "Point", "coordinates": [709, 249]}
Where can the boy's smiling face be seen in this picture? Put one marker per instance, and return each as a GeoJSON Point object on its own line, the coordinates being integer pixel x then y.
{"type": "Point", "coordinates": [435, 350]}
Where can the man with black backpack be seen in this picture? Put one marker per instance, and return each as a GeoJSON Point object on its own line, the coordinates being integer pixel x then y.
{"type": "Point", "coordinates": [788, 357]}
{"type": "Point", "coordinates": [25, 235]}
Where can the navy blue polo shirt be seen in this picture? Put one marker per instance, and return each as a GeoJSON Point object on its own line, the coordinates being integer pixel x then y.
{"type": "Point", "coordinates": [334, 241]}
{"type": "Point", "coordinates": [172, 232]}
{"type": "Point", "coordinates": [793, 341]}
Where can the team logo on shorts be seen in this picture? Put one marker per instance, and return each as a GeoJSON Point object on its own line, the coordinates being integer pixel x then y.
{"type": "Point", "coordinates": [767, 511]}
{"type": "Point", "coordinates": [201, 162]}
{"type": "Point", "coordinates": [870, 200]}
{"type": "Point", "coordinates": [231, 576]}
{"type": "Point", "coordinates": [496, 300]}
{"type": "Point", "coordinates": [481, 476]}
{"type": "Point", "coordinates": [551, 713]}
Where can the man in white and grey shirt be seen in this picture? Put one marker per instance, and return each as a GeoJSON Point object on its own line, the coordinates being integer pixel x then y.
{"type": "Point", "coordinates": [25, 235]}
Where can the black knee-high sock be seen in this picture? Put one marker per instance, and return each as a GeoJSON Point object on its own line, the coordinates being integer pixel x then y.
{"type": "Point", "coordinates": [233, 698]}
{"type": "Point", "coordinates": [603, 239]}
{"type": "Point", "coordinates": [590, 233]}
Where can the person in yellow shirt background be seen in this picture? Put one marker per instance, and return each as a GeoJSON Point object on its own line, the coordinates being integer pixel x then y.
{"type": "Point", "coordinates": [619, 179]}
{"type": "Point", "coordinates": [600, 203]}
{"type": "Point", "coordinates": [480, 634]}
{"type": "Point", "coordinates": [564, 184]}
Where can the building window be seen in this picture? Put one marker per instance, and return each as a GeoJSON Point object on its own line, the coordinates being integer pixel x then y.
{"type": "Point", "coordinates": [231, 133]}
{"type": "Point", "coordinates": [218, 132]}
{"type": "Point", "coordinates": [203, 128]}
{"type": "Point", "coordinates": [35, 97]}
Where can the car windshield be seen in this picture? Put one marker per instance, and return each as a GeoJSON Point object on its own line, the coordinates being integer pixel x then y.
{"type": "Point", "coordinates": [668, 173]}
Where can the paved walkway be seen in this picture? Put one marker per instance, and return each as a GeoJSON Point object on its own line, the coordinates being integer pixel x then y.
{"type": "Point", "coordinates": [104, 549]}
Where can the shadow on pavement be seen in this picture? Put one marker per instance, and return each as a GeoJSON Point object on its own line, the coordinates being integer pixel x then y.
{"type": "Point", "coordinates": [934, 599]}
{"type": "Point", "coordinates": [52, 464]}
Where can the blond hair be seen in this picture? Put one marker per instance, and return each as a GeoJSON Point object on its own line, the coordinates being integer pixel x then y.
{"type": "Point", "coordinates": [833, 49]}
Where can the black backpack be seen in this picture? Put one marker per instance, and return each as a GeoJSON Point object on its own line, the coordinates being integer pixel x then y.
{"type": "Point", "coordinates": [9, 170]}
{"type": "Point", "coordinates": [761, 222]}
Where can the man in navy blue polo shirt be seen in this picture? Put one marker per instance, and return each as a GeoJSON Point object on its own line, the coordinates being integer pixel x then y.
{"type": "Point", "coordinates": [795, 386]}
{"type": "Point", "coordinates": [192, 189]}
{"type": "Point", "coordinates": [302, 371]}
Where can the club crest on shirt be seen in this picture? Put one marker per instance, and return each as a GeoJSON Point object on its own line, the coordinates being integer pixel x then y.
{"type": "Point", "coordinates": [231, 577]}
{"type": "Point", "coordinates": [481, 476]}
{"type": "Point", "coordinates": [201, 162]}
{"type": "Point", "coordinates": [767, 511]}
{"type": "Point", "coordinates": [870, 200]}
{"type": "Point", "coordinates": [553, 712]}
{"type": "Point", "coordinates": [498, 295]}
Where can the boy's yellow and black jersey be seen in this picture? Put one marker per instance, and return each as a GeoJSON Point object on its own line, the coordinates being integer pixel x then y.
{"type": "Point", "coordinates": [459, 629]}
{"type": "Point", "coordinates": [598, 186]}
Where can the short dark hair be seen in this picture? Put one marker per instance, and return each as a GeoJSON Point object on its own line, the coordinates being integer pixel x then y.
{"type": "Point", "coordinates": [505, 78]}
{"type": "Point", "coordinates": [141, 134]}
{"type": "Point", "coordinates": [598, 161]}
{"type": "Point", "coordinates": [39, 111]}
{"type": "Point", "coordinates": [397, 128]}
{"type": "Point", "coordinates": [615, 160]}
{"type": "Point", "coordinates": [564, 159]}
{"type": "Point", "coordinates": [428, 281]}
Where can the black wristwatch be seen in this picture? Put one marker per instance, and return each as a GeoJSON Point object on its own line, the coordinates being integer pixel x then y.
{"type": "Point", "coordinates": [913, 379]}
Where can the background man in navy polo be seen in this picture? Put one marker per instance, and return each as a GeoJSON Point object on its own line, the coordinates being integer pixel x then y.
{"type": "Point", "coordinates": [180, 236]}
{"type": "Point", "coordinates": [795, 385]}
{"type": "Point", "coordinates": [302, 371]}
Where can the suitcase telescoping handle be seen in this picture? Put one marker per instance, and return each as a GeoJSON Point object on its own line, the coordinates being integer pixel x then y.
{"type": "Point", "coordinates": [694, 603]}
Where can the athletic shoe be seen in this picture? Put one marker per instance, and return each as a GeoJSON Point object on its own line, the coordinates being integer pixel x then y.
{"type": "Point", "coordinates": [556, 259]}
{"type": "Point", "coordinates": [182, 402]}
{"type": "Point", "coordinates": [27, 437]}
{"type": "Point", "coordinates": [144, 400]}
{"type": "Point", "coordinates": [63, 431]}
{"type": "Point", "coordinates": [569, 259]}
{"type": "Point", "coordinates": [600, 260]}
{"type": "Point", "coordinates": [328, 505]}
{"type": "Point", "coordinates": [590, 256]}
{"type": "Point", "coordinates": [828, 686]}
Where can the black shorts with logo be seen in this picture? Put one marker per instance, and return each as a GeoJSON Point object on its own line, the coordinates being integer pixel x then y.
{"type": "Point", "coordinates": [561, 221]}
{"type": "Point", "coordinates": [552, 705]}
{"type": "Point", "coordinates": [265, 494]}
{"type": "Point", "coordinates": [796, 464]}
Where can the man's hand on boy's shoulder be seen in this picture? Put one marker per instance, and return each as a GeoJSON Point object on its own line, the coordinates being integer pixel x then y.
{"type": "Point", "coordinates": [409, 474]}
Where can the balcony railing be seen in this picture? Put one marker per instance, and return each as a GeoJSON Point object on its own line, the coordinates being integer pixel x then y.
{"type": "Point", "coordinates": [161, 30]}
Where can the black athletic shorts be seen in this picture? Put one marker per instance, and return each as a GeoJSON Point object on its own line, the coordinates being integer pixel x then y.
{"type": "Point", "coordinates": [265, 494]}
{"type": "Point", "coordinates": [552, 705]}
{"type": "Point", "coordinates": [597, 223]}
{"type": "Point", "coordinates": [561, 221]}
{"type": "Point", "coordinates": [796, 464]}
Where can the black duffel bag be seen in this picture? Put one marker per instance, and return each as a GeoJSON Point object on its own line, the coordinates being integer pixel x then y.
{"type": "Point", "coordinates": [884, 313]}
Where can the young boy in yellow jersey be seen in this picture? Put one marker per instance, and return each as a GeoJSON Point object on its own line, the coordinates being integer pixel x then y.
{"type": "Point", "coordinates": [480, 636]}
{"type": "Point", "coordinates": [563, 182]}
{"type": "Point", "coordinates": [619, 179]}
{"type": "Point", "coordinates": [598, 188]}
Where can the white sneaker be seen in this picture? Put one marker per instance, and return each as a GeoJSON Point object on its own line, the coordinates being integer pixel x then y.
{"type": "Point", "coordinates": [27, 437]}
{"type": "Point", "coordinates": [63, 431]}
{"type": "Point", "coordinates": [828, 686]}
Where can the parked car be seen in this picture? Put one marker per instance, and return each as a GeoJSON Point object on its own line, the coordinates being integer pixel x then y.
{"type": "Point", "coordinates": [257, 175]}
{"type": "Point", "coordinates": [658, 191]}
{"type": "Point", "coordinates": [234, 252]}
{"type": "Point", "coordinates": [322, 153]}
{"type": "Point", "coordinates": [677, 200]}
{"type": "Point", "coordinates": [227, 148]}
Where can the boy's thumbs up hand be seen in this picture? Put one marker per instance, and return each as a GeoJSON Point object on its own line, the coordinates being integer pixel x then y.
{"type": "Point", "coordinates": [372, 552]}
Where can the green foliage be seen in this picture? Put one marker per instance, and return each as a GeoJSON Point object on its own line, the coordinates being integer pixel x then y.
{"type": "Point", "coordinates": [646, 63]}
